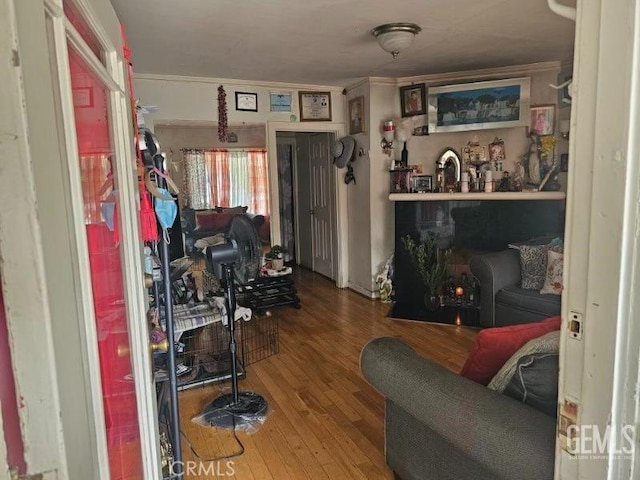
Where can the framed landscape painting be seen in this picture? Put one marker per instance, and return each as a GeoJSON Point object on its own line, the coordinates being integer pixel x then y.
{"type": "Point", "coordinates": [480, 105]}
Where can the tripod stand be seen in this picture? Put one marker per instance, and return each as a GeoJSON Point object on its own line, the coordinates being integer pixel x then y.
{"type": "Point", "coordinates": [236, 408]}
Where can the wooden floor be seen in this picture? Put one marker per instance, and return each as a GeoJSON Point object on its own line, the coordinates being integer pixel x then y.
{"type": "Point", "coordinates": [326, 421]}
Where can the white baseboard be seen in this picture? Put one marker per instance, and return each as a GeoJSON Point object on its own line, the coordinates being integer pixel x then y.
{"type": "Point", "coordinates": [362, 291]}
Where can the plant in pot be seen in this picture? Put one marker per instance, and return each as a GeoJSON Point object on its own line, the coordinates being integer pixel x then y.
{"type": "Point", "coordinates": [275, 256]}
{"type": "Point", "coordinates": [430, 263]}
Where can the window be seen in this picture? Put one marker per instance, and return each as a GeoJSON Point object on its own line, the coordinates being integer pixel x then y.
{"type": "Point", "coordinates": [226, 178]}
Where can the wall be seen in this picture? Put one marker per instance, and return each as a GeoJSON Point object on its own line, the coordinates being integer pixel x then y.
{"type": "Point", "coordinates": [359, 204]}
{"type": "Point", "coordinates": [425, 150]}
{"type": "Point", "coordinates": [195, 99]}
{"type": "Point", "coordinates": [385, 103]}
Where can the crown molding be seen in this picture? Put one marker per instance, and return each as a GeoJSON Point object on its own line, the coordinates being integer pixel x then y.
{"type": "Point", "coordinates": [386, 81]}
{"type": "Point", "coordinates": [235, 82]}
{"type": "Point", "coordinates": [481, 74]}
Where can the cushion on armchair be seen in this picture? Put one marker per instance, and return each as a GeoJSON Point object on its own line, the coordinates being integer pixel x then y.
{"type": "Point", "coordinates": [494, 346]}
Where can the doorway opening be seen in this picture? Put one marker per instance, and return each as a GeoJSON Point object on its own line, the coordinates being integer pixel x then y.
{"type": "Point", "coordinates": [308, 200]}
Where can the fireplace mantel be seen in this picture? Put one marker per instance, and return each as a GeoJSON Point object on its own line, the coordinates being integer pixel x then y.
{"type": "Point", "coordinates": [466, 224]}
{"type": "Point", "coordinates": [430, 197]}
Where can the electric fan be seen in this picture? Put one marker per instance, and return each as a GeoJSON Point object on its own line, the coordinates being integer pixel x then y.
{"type": "Point", "coordinates": [236, 259]}
{"type": "Point", "coordinates": [242, 231]}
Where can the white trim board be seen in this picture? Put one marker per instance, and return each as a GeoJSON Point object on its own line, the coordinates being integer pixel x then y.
{"type": "Point", "coordinates": [24, 286]}
{"type": "Point", "coordinates": [237, 82]}
{"type": "Point", "coordinates": [342, 224]}
{"type": "Point", "coordinates": [466, 75]}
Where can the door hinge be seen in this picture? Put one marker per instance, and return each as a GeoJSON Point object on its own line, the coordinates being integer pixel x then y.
{"type": "Point", "coordinates": [16, 476]}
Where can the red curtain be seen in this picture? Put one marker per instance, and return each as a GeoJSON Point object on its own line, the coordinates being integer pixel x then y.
{"type": "Point", "coordinates": [233, 178]}
{"type": "Point", "coordinates": [258, 181]}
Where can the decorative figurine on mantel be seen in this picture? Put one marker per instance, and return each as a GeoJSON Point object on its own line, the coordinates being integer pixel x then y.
{"type": "Point", "coordinates": [539, 162]}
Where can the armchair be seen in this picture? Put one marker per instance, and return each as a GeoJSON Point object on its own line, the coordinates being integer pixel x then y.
{"type": "Point", "coordinates": [502, 300]}
{"type": "Point", "coordinates": [441, 426]}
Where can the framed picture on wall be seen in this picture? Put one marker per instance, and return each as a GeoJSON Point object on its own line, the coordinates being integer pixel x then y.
{"type": "Point", "coordinates": [280, 101]}
{"type": "Point", "coordinates": [542, 119]}
{"type": "Point", "coordinates": [246, 102]}
{"type": "Point", "coordinates": [479, 105]}
{"type": "Point", "coordinates": [413, 100]}
{"type": "Point", "coordinates": [356, 115]}
{"type": "Point", "coordinates": [315, 106]}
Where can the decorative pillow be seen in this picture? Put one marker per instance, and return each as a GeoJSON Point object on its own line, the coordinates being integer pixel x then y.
{"type": "Point", "coordinates": [533, 264]}
{"type": "Point", "coordinates": [548, 343]}
{"type": "Point", "coordinates": [233, 210]}
{"type": "Point", "coordinates": [535, 382]}
{"type": "Point", "coordinates": [553, 278]}
{"type": "Point", "coordinates": [494, 346]}
{"type": "Point", "coordinates": [212, 221]}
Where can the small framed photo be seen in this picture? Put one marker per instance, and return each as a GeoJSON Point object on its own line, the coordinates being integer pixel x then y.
{"type": "Point", "coordinates": [246, 102]}
{"type": "Point", "coordinates": [497, 151]}
{"type": "Point", "coordinates": [315, 106]}
{"type": "Point", "coordinates": [280, 101]}
{"type": "Point", "coordinates": [421, 183]}
{"type": "Point", "coordinates": [356, 115]}
{"type": "Point", "coordinates": [542, 118]}
{"type": "Point", "coordinates": [413, 100]}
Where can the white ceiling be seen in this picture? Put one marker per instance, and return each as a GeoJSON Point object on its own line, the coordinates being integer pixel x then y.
{"type": "Point", "coordinates": [329, 42]}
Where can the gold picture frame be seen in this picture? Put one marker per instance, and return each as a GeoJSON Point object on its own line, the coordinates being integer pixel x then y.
{"type": "Point", "coordinates": [356, 116]}
{"type": "Point", "coordinates": [315, 106]}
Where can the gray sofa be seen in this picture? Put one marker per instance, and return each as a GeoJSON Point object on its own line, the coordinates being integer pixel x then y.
{"type": "Point", "coordinates": [441, 426]}
{"type": "Point", "coordinates": [502, 301]}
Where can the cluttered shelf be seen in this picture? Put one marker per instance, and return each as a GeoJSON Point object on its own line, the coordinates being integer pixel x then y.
{"type": "Point", "coordinates": [430, 197]}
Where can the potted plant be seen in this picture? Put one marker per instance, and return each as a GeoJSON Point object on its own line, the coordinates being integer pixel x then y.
{"type": "Point", "coordinates": [275, 256]}
{"type": "Point", "coordinates": [431, 264]}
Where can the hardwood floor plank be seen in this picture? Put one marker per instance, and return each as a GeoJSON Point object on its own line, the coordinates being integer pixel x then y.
{"type": "Point", "coordinates": [326, 421]}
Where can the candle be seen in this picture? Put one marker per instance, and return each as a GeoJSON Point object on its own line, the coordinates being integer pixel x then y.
{"type": "Point", "coordinates": [459, 291]}
{"type": "Point", "coordinates": [465, 177]}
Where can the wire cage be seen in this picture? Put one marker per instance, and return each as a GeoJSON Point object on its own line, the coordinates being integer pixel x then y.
{"type": "Point", "coordinates": [203, 355]}
{"type": "Point", "coordinates": [259, 338]}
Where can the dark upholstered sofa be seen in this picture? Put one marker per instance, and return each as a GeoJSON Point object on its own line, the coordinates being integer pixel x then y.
{"type": "Point", "coordinates": [441, 426]}
{"type": "Point", "coordinates": [502, 300]}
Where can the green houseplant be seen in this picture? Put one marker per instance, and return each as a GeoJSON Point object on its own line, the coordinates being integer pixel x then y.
{"type": "Point", "coordinates": [430, 263]}
{"type": "Point", "coordinates": [275, 256]}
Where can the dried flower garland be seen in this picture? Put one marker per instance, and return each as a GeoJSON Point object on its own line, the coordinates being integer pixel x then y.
{"type": "Point", "coordinates": [223, 127]}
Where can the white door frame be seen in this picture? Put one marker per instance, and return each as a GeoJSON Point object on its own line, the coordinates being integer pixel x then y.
{"type": "Point", "coordinates": [23, 267]}
{"type": "Point", "coordinates": [113, 76]}
{"type": "Point", "coordinates": [341, 224]}
{"type": "Point", "coordinates": [599, 371]}
{"type": "Point", "coordinates": [23, 274]}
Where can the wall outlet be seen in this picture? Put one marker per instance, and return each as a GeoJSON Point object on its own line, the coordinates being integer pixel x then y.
{"type": "Point", "coordinates": [575, 325]}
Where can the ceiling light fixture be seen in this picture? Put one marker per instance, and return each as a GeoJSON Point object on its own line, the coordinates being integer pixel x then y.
{"type": "Point", "coordinates": [395, 37]}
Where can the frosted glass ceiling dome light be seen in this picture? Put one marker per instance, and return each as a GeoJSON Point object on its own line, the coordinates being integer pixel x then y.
{"type": "Point", "coordinates": [395, 37]}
